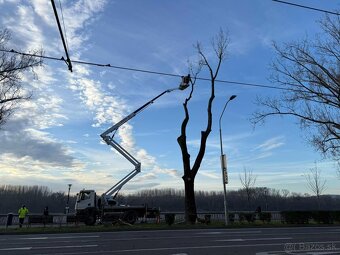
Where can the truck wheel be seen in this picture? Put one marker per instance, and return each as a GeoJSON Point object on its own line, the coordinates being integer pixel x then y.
{"type": "Point", "coordinates": [90, 220]}
{"type": "Point", "coordinates": [130, 217]}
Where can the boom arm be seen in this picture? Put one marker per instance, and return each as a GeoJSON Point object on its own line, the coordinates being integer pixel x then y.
{"type": "Point", "coordinates": [108, 135]}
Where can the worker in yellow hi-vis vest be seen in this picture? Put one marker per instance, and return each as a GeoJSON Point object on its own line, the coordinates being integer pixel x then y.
{"type": "Point", "coordinates": [23, 211]}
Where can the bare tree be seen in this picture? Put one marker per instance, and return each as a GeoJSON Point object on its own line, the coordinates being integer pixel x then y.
{"type": "Point", "coordinates": [248, 180]}
{"type": "Point", "coordinates": [315, 183]}
{"type": "Point", "coordinates": [12, 66]}
{"type": "Point", "coordinates": [219, 43]}
{"type": "Point", "coordinates": [309, 73]}
{"type": "Point", "coordinates": [285, 193]}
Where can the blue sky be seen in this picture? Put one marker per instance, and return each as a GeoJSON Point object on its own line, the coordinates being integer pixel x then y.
{"type": "Point", "coordinates": [53, 139]}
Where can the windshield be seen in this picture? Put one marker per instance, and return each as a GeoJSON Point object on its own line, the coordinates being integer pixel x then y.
{"type": "Point", "coordinates": [84, 195]}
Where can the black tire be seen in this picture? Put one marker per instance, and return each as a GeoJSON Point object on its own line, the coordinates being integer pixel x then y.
{"type": "Point", "coordinates": [130, 217]}
{"type": "Point", "coordinates": [90, 220]}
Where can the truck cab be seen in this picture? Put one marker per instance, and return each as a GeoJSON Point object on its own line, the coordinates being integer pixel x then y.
{"type": "Point", "coordinates": [86, 199]}
{"type": "Point", "coordinates": [86, 206]}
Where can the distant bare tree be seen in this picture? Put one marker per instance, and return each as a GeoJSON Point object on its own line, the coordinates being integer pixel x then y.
{"type": "Point", "coordinates": [34, 197]}
{"type": "Point", "coordinates": [310, 72]}
{"type": "Point", "coordinates": [285, 192]}
{"type": "Point", "coordinates": [219, 43]}
{"type": "Point", "coordinates": [11, 69]}
{"type": "Point", "coordinates": [248, 181]}
{"type": "Point", "coordinates": [315, 183]}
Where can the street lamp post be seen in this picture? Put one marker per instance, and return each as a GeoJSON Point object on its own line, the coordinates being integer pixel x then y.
{"type": "Point", "coordinates": [224, 164]}
{"type": "Point", "coordinates": [68, 199]}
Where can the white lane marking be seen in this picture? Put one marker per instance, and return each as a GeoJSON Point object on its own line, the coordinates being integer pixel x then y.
{"type": "Point", "coordinates": [230, 240]}
{"type": "Point", "coordinates": [180, 254]}
{"type": "Point", "coordinates": [271, 253]}
{"type": "Point", "coordinates": [48, 247]}
{"type": "Point", "coordinates": [63, 247]}
{"type": "Point", "coordinates": [323, 252]}
{"type": "Point", "coordinates": [177, 248]}
{"type": "Point", "coordinates": [253, 239]}
{"type": "Point", "coordinates": [192, 248]}
{"type": "Point", "coordinates": [72, 237]}
{"type": "Point", "coordinates": [210, 233]}
{"type": "Point", "coordinates": [199, 235]}
{"type": "Point", "coordinates": [234, 232]}
{"type": "Point", "coordinates": [34, 238]}
{"type": "Point", "coordinates": [57, 237]}
{"type": "Point", "coordinates": [15, 249]}
{"type": "Point", "coordinates": [184, 248]}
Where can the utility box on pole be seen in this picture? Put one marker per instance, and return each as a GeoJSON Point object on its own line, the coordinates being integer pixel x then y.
{"type": "Point", "coordinates": [224, 167]}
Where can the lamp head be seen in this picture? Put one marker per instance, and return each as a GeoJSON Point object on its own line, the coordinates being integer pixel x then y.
{"type": "Point", "coordinates": [232, 97]}
{"type": "Point", "coordinates": [185, 82]}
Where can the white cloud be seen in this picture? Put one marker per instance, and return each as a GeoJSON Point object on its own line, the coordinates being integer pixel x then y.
{"type": "Point", "coordinates": [109, 109]}
{"type": "Point", "coordinates": [209, 174]}
{"type": "Point", "coordinates": [85, 11]}
{"type": "Point", "coordinates": [228, 141]}
{"type": "Point", "coordinates": [146, 177]}
{"type": "Point", "coordinates": [41, 112]}
{"type": "Point", "coordinates": [24, 25]}
{"type": "Point", "coordinates": [170, 172]}
{"type": "Point", "coordinates": [9, 1]}
{"type": "Point", "coordinates": [260, 156]}
{"type": "Point", "coordinates": [24, 142]}
{"type": "Point", "coordinates": [132, 187]}
{"type": "Point", "coordinates": [42, 78]}
{"type": "Point", "coordinates": [271, 144]}
{"type": "Point", "coordinates": [23, 137]}
{"type": "Point", "coordinates": [24, 146]}
{"type": "Point", "coordinates": [44, 9]}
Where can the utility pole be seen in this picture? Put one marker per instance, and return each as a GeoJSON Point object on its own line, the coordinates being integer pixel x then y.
{"type": "Point", "coordinates": [224, 164]}
{"type": "Point", "coordinates": [67, 208]}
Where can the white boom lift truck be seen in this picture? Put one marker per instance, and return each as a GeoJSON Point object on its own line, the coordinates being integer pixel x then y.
{"type": "Point", "coordinates": [90, 207]}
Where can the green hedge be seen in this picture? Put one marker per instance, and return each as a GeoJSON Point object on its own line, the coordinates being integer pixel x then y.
{"type": "Point", "coordinates": [231, 217]}
{"type": "Point", "coordinates": [303, 217]}
{"type": "Point", "coordinates": [336, 216]}
{"type": "Point", "coordinates": [170, 218]}
{"type": "Point", "coordinates": [324, 217]}
{"type": "Point", "coordinates": [265, 216]}
{"type": "Point", "coordinates": [249, 217]}
{"type": "Point", "coordinates": [296, 217]}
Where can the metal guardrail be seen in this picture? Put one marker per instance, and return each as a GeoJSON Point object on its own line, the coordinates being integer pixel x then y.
{"type": "Point", "coordinates": [31, 219]}
{"type": "Point", "coordinates": [63, 219]}
{"type": "Point", "coordinates": [219, 216]}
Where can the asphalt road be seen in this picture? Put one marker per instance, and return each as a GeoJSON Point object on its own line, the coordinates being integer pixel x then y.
{"type": "Point", "coordinates": [260, 241]}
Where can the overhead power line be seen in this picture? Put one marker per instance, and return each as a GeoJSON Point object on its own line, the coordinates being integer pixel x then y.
{"type": "Point", "coordinates": [62, 18]}
{"type": "Point", "coordinates": [307, 7]}
{"type": "Point", "coordinates": [68, 60]}
{"type": "Point", "coordinates": [143, 70]}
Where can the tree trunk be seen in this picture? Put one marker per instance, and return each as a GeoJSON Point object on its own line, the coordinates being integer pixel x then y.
{"type": "Point", "coordinates": [220, 45]}
{"type": "Point", "coordinates": [190, 202]}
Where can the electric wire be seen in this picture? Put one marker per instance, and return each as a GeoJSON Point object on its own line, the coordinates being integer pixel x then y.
{"type": "Point", "coordinates": [145, 71]}
{"type": "Point", "coordinates": [68, 60]}
{"type": "Point", "coordinates": [307, 7]}
{"type": "Point", "coordinates": [62, 18]}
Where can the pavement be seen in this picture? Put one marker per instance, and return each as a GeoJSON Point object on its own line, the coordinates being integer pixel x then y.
{"type": "Point", "coordinates": [258, 241]}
